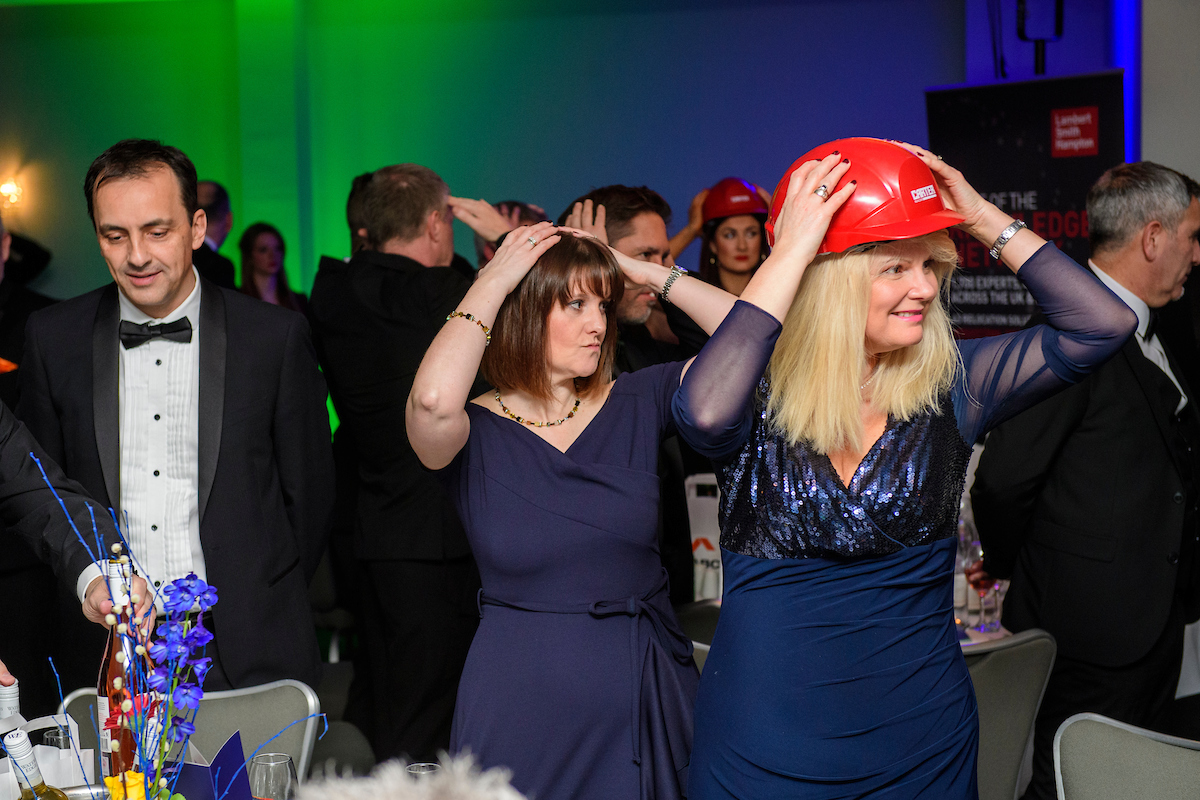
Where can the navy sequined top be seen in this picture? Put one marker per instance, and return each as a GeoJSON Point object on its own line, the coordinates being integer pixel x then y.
{"type": "Point", "coordinates": [786, 501]}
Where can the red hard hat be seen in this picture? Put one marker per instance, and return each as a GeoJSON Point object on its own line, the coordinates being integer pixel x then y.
{"type": "Point", "coordinates": [896, 198]}
{"type": "Point", "coordinates": [732, 197]}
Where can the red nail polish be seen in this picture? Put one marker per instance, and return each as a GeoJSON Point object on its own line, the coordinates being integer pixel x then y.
{"type": "Point", "coordinates": [837, 152]}
{"type": "Point", "coordinates": [854, 182]}
{"type": "Point", "coordinates": [845, 161]}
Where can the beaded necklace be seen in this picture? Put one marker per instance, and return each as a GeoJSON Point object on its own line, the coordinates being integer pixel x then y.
{"type": "Point", "coordinates": [531, 423]}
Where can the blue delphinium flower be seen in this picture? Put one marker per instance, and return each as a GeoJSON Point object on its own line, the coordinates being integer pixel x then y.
{"type": "Point", "coordinates": [186, 695]}
{"type": "Point", "coordinates": [197, 637]}
{"type": "Point", "coordinates": [200, 668]}
{"type": "Point", "coordinates": [180, 729]}
{"type": "Point", "coordinates": [206, 596]}
{"type": "Point", "coordinates": [165, 650]}
{"type": "Point", "coordinates": [180, 594]}
{"type": "Point", "coordinates": [159, 678]}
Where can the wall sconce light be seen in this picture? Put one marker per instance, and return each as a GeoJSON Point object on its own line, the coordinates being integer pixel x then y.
{"type": "Point", "coordinates": [11, 191]}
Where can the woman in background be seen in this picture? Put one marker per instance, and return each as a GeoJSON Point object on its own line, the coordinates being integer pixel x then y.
{"type": "Point", "coordinates": [263, 275]}
{"type": "Point", "coordinates": [733, 239]}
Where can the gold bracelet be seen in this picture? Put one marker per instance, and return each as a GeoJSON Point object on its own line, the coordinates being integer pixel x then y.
{"type": "Point", "coordinates": [487, 332]}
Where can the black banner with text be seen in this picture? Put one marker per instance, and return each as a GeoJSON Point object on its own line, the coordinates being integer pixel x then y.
{"type": "Point", "coordinates": [1033, 148]}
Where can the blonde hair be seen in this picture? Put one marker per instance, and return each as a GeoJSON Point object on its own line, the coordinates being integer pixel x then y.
{"type": "Point", "coordinates": [816, 370]}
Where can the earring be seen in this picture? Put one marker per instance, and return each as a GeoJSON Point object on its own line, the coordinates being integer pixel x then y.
{"type": "Point", "coordinates": [712, 260]}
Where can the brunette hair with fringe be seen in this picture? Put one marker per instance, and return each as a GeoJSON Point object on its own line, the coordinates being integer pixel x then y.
{"type": "Point", "coordinates": [817, 366]}
{"type": "Point", "coordinates": [516, 358]}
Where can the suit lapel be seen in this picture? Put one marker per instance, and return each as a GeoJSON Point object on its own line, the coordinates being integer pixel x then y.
{"type": "Point", "coordinates": [212, 385]}
{"type": "Point", "coordinates": [1160, 392]}
{"type": "Point", "coordinates": [105, 414]}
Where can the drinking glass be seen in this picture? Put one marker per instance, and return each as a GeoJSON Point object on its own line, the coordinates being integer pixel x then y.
{"type": "Point", "coordinates": [422, 769]}
{"type": "Point", "coordinates": [272, 776]}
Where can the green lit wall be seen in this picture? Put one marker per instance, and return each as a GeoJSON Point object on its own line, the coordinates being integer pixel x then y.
{"type": "Point", "coordinates": [284, 101]}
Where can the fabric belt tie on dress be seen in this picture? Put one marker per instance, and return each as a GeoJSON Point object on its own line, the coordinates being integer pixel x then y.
{"type": "Point", "coordinates": [648, 675]}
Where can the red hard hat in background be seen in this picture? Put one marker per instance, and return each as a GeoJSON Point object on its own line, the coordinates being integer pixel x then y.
{"type": "Point", "coordinates": [730, 198]}
{"type": "Point", "coordinates": [896, 197]}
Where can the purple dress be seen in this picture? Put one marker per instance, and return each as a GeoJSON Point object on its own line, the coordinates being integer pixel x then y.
{"type": "Point", "coordinates": [579, 679]}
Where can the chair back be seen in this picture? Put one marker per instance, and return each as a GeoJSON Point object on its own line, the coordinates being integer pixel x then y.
{"type": "Point", "coordinates": [259, 712]}
{"type": "Point", "coordinates": [81, 705]}
{"type": "Point", "coordinates": [1009, 676]}
{"type": "Point", "coordinates": [1096, 758]}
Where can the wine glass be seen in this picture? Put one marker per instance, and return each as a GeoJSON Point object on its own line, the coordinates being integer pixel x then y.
{"type": "Point", "coordinates": [272, 776]}
{"type": "Point", "coordinates": [422, 769]}
{"type": "Point", "coordinates": [984, 584]}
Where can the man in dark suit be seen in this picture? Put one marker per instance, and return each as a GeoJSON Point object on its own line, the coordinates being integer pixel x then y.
{"type": "Point", "coordinates": [196, 412]}
{"type": "Point", "coordinates": [373, 318]}
{"type": "Point", "coordinates": [1089, 499]}
{"type": "Point", "coordinates": [217, 210]}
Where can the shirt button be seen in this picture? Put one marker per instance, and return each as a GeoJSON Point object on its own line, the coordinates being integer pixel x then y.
{"type": "Point", "coordinates": [157, 417]}
{"type": "Point", "coordinates": [153, 527]}
{"type": "Point", "coordinates": [1178, 497]}
{"type": "Point", "coordinates": [156, 473]}
{"type": "Point", "coordinates": [1172, 558]}
{"type": "Point", "coordinates": [158, 362]}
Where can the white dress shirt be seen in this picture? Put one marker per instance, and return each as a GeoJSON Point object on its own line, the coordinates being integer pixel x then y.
{"type": "Point", "coordinates": [159, 412]}
{"type": "Point", "coordinates": [1151, 348]}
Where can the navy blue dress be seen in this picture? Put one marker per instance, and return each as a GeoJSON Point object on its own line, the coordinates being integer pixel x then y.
{"type": "Point", "coordinates": [835, 671]}
{"type": "Point", "coordinates": [579, 679]}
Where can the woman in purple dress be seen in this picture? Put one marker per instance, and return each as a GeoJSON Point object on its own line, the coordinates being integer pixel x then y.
{"type": "Point", "coordinates": [579, 679]}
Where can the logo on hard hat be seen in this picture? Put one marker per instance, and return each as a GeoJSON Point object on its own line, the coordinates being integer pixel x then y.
{"type": "Point", "coordinates": [924, 193]}
{"type": "Point", "coordinates": [739, 198]}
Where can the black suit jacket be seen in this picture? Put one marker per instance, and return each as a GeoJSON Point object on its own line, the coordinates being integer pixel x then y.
{"type": "Point", "coordinates": [214, 267]}
{"type": "Point", "coordinates": [1081, 499]}
{"type": "Point", "coordinates": [16, 304]}
{"type": "Point", "coordinates": [29, 507]}
{"type": "Point", "coordinates": [373, 319]}
{"type": "Point", "coordinates": [265, 462]}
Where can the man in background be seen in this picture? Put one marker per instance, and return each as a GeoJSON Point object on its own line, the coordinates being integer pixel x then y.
{"type": "Point", "coordinates": [211, 264]}
{"type": "Point", "coordinates": [374, 316]}
{"type": "Point", "coordinates": [1089, 499]}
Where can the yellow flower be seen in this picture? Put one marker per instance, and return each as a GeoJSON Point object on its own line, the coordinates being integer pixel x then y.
{"type": "Point", "coordinates": [132, 781]}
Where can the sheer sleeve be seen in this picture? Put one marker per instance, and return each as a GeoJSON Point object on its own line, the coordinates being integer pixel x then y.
{"type": "Point", "coordinates": [1004, 375]}
{"type": "Point", "coordinates": [713, 408]}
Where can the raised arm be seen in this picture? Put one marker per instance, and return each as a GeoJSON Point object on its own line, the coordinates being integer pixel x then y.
{"type": "Point", "coordinates": [713, 405]}
{"type": "Point", "coordinates": [435, 415]}
{"type": "Point", "coordinates": [1087, 322]}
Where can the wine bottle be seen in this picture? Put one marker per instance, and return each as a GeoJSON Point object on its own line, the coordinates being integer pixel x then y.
{"type": "Point", "coordinates": [118, 751]}
{"type": "Point", "coordinates": [10, 700]}
{"type": "Point", "coordinates": [26, 770]}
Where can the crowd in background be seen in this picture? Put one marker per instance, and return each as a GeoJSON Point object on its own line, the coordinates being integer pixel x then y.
{"type": "Point", "coordinates": [261, 457]}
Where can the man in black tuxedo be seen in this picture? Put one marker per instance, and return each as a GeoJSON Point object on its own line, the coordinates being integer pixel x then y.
{"type": "Point", "coordinates": [196, 412]}
{"type": "Point", "coordinates": [213, 266]}
{"type": "Point", "coordinates": [1089, 499]}
{"type": "Point", "coordinates": [373, 318]}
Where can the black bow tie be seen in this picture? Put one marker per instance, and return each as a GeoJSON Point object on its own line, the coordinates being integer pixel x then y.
{"type": "Point", "coordinates": [1151, 326]}
{"type": "Point", "coordinates": [135, 335]}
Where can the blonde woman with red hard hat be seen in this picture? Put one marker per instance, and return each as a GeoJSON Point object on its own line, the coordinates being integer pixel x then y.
{"type": "Point", "coordinates": [840, 413]}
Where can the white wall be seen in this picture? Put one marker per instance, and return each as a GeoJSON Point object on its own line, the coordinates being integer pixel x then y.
{"type": "Point", "coordinates": [1171, 84]}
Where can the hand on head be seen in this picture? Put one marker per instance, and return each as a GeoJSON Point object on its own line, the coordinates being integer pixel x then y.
{"type": "Point", "coordinates": [804, 217]}
{"type": "Point", "coordinates": [957, 194]}
{"type": "Point", "coordinates": [521, 249]}
{"type": "Point", "coordinates": [483, 218]}
{"type": "Point", "coordinates": [583, 218]}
